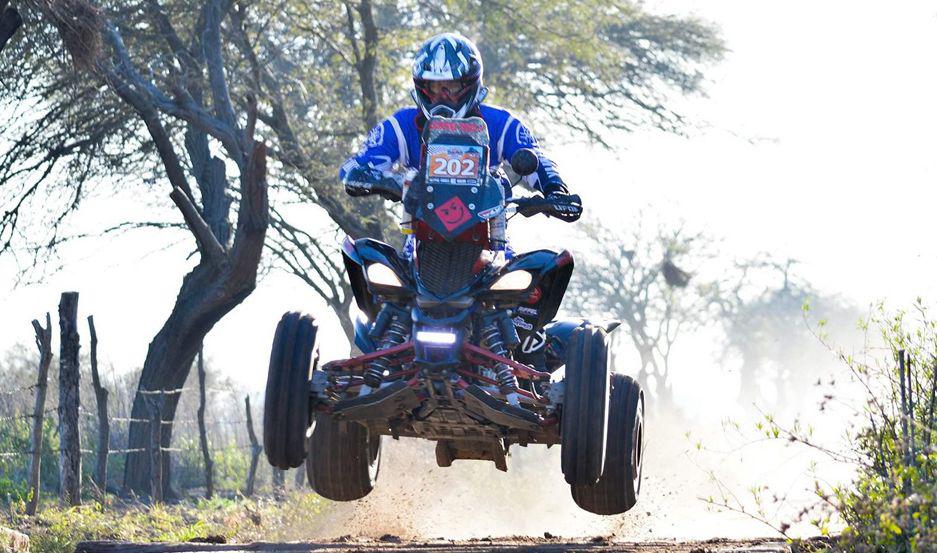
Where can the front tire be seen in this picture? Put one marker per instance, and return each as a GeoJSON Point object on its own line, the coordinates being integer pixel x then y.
{"type": "Point", "coordinates": [286, 402]}
{"type": "Point", "coordinates": [585, 406]}
{"type": "Point", "coordinates": [344, 459]}
{"type": "Point", "coordinates": [620, 485]}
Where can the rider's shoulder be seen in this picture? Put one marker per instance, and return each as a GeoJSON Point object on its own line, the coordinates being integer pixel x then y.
{"type": "Point", "coordinates": [405, 116]}
{"type": "Point", "coordinates": [491, 112]}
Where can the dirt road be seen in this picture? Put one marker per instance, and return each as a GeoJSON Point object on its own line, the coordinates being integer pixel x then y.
{"type": "Point", "coordinates": [391, 544]}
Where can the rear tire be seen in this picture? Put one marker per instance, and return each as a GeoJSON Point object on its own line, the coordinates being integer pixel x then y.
{"type": "Point", "coordinates": [286, 402]}
{"type": "Point", "coordinates": [585, 406]}
{"type": "Point", "coordinates": [618, 489]}
{"type": "Point", "coordinates": [344, 459]}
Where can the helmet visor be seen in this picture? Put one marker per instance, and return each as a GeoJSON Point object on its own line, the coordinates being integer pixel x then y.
{"type": "Point", "coordinates": [449, 93]}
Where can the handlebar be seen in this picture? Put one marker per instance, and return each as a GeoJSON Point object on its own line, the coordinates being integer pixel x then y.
{"type": "Point", "coordinates": [565, 207]}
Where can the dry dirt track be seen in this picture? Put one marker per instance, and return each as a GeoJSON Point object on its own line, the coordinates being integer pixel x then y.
{"type": "Point", "coordinates": [390, 544]}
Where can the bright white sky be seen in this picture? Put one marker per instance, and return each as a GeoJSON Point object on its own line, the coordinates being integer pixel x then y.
{"type": "Point", "coordinates": [840, 99]}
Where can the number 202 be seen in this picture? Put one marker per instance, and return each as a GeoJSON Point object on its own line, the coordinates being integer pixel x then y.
{"type": "Point", "coordinates": [454, 167]}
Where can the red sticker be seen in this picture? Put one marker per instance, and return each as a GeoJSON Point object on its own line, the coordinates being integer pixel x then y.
{"type": "Point", "coordinates": [453, 213]}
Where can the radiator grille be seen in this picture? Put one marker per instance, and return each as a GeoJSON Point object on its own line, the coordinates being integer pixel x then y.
{"type": "Point", "coordinates": [446, 267]}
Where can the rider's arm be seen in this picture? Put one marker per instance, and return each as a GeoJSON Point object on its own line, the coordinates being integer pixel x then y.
{"type": "Point", "coordinates": [372, 164]}
{"type": "Point", "coordinates": [547, 179]}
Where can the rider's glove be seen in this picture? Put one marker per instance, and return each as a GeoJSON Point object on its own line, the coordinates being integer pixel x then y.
{"type": "Point", "coordinates": [364, 181]}
{"type": "Point", "coordinates": [567, 207]}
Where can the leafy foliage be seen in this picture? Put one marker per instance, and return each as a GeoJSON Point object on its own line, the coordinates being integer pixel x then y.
{"type": "Point", "coordinates": [892, 505]}
{"type": "Point", "coordinates": [58, 530]}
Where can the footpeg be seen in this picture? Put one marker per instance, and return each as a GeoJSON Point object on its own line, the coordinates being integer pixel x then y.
{"type": "Point", "coordinates": [483, 404]}
{"type": "Point", "coordinates": [385, 403]}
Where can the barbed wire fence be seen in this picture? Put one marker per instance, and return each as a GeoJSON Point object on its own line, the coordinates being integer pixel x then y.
{"type": "Point", "coordinates": [231, 434]}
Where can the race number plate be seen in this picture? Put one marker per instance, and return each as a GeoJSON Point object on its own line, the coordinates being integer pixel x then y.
{"type": "Point", "coordinates": [454, 164]}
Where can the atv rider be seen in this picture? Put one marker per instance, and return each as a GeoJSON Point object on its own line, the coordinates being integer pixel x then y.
{"type": "Point", "coordinates": [447, 79]}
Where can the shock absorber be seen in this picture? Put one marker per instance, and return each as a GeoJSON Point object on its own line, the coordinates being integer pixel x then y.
{"type": "Point", "coordinates": [393, 331]}
{"type": "Point", "coordinates": [493, 339]}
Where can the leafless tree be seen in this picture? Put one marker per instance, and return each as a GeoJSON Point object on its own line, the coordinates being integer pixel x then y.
{"type": "Point", "coordinates": [644, 277]}
{"type": "Point", "coordinates": [104, 428]}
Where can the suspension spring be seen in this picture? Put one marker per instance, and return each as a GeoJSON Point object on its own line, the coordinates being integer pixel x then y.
{"type": "Point", "coordinates": [494, 341]}
{"type": "Point", "coordinates": [396, 334]}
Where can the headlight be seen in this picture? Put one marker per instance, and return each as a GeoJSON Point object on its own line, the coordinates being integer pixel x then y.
{"type": "Point", "coordinates": [382, 275]}
{"type": "Point", "coordinates": [515, 280]}
{"type": "Point", "coordinates": [435, 337]}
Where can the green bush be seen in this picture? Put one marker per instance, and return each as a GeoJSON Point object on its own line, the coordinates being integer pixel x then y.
{"type": "Point", "coordinates": [892, 504]}
{"type": "Point", "coordinates": [58, 530]}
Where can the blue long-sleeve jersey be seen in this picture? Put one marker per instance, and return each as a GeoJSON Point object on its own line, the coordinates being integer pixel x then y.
{"type": "Point", "coordinates": [396, 140]}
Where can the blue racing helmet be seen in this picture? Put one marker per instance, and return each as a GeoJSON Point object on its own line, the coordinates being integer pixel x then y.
{"type": "Point", "coordinates": [447, 76]}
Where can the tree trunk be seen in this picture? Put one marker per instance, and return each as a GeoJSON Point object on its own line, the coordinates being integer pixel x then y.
{"type": "Point", "coordinates": [202, 434]}
{"type": "Point", "coordinates": [213, 288]}
{"type": "Point", "coordinates": [255, 449]}
{"type": "Point", "coordinates": [104, 429]}
{"type": "Point", "coordinates": [10, 22]}
{"type": "Point", "coordinates": [69, 402]}
{"type": "Point", "coordinates": [44, 344]}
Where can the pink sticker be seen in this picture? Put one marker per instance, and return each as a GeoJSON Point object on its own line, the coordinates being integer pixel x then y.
{"type": "Point", "coordinates": [453, 213]}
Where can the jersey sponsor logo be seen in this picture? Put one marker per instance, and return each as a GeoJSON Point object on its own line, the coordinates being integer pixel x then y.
{"type": "Point", "coordinates": [376, 136]}
{"type": "Point", "coordinates": [527, 311]}
{"type": "Point", "coordinates": [534, 342]}
{"type": "Point", "coordinates": [524, 138]}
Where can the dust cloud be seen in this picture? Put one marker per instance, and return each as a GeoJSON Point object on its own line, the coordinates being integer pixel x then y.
{"type": "Point", "coordinates": [705, 446]}
{"type": "Point", "coordinates": [416, 500]}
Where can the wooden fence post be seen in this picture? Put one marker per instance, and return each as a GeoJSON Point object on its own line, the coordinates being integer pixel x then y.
{"type": "Point", "coordinates": [155, 404]}
{"type": "Point", "coordinates": [279, 482]}
{"type": "Point", "coordinates": [44, 344]}
{"type": "Point", "coordinates": [104, 429]}
{"type": "Point", "coordinates": [255, 448]}
{"type": "Point", "coordinates": [69, 401]}
{"type": "Point", "coordinates": [299, 480]}
{"type": "Point", "coordinates": [202, 433]}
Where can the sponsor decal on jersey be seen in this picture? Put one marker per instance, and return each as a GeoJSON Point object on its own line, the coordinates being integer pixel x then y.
{"type": "Point", "coordinates": [527, 311]}
{"type": "Point", "coordinates": [520, 322]}
{"type": "Point", "coordinates": [534, 342]}
{"type": "Point", "coordinates": [376, 136]}
{"type": "Point", "coordinates": [524, 138]}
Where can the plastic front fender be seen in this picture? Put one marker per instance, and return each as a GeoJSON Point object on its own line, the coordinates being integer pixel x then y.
{"type": "Point", "coordinates": [553, 272]}
{"type": "Point", "coordinates": [357, 255]}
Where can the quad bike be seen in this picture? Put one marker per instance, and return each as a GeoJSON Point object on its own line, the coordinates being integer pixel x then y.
{"type": "Point", "coordinates": [457, 347]}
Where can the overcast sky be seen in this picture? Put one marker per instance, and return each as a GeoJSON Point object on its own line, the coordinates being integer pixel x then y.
{"type": "Point", "coordinates": [816, 141]}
